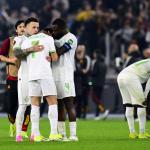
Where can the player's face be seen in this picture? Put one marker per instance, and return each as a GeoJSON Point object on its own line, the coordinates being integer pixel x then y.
{"type": "Point", "coordinates": [32, 28]}
{"type": "Point", "coordinates": [20, 29]}
{"type": "Point", "coordinates": [80, 52]}
{"type": "Point", "coordinates": [56, 31]}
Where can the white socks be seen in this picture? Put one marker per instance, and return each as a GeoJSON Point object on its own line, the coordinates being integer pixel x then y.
{"type": "Point", "coordinates": [62, 128]}
{"type": "Point", "coordinates": [72, 126]}
{"type": "Point", "coordinates": [130, 118]}
{"type": "Point", "coordinates": [35, 115]}
{"type": "Point", "coordinates": [20, 118]}
{"type": "Point", "coordinates": [141, 112]}
{"type": "Point", "coordinates": [53, 118]}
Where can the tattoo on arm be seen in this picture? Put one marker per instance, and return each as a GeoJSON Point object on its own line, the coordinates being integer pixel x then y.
{"type": "Point", "coordinates": [21, 53]}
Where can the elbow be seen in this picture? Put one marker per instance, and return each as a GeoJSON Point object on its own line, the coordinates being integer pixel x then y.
{"type": "Point", "coordinates": [17, 55]}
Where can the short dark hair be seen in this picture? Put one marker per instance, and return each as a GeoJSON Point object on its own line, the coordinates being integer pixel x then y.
{"type": "Point", "coordinates": [31, 19]}
{"type": "Point", "coordinates": [60, 23]}
{"type": "Point", "coordinates": [18, 23]}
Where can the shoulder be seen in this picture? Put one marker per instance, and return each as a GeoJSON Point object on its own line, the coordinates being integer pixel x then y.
{"type": "Point", "coordinates": [50, 37]}
{"type": "Point", "coordinates": [71, 36]}
{"type": "Point", "coordinates": [39, 35]}
{"type": "Point", "coordinates": [26, 43]}
{"type": "Point", "coordinates": [71, 39]}
{"type": "Point", "coordinates": [6, 40]}
{"type": "Point", "coordinates": [20, 38]}
{"type": "Point", "coordinates": [17, 38]}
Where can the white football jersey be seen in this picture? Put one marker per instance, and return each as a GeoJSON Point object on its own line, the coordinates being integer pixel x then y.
{"type": "Point", "coordinates": [18, 40]}
{"type": "Point", "coordinates": [23, 69]}
{"type": "Point", "coordinates": [63, 69]}
{"type": "Point", "coordinates": [39, 67]}
{"type": "Point", "coordinates": [140, 68]}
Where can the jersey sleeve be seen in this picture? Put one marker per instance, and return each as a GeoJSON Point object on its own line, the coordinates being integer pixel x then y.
{"type": "Point", "coordinates": [70, 44]}
{"type": "Point", "coordinates": [72, 41]}
{"type": "Point", "coordinates": [17, 42]}
{"type": "Point", "coordinates": [52, 48]}
{"type": "Point", "coordinates": [26, 44]}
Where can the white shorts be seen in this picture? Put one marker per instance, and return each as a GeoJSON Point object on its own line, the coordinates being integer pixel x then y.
{"type": "Point", "coordinates": [131, 89]}
{"type": "Point", "coordinates": [23, 95]}
{"type": "Point", "coordinates": [65, 89]}
{"type": "Point", "coordinates": [42, 87]}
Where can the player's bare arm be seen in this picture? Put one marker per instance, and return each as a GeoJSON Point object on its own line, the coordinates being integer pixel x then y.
{"type": "Point", "coordinates": [52, 57]}
{"type": "Point", "coordinates": [65, 48]}
{"type": "Point", "coordinates": [22, 53]}
{"type": "Point", "coordinates": [8, 60]}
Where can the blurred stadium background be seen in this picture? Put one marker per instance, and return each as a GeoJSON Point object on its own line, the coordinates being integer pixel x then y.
{"type": "Point", "coordinates": [105, 26]}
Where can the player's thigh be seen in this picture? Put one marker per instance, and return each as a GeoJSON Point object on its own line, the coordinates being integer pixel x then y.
{"type": "Point", "coordinates": [35, 88]}
{"type": "Point", "coordinates": [136, 91]}
{"type": "Point", "coordinates": [122, 84]}
{"type": "Point", "coordinates": [65, 89]}
{"type": "Point", "coordinates": [48, 87]}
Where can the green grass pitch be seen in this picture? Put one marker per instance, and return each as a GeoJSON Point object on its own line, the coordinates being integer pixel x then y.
{"type": "Point", "coordinates": [93, 135]}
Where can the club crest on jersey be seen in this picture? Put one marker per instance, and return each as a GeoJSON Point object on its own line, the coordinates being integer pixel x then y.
{"type": "Point", "coordinates": [35, 42]}
{"type": "Point", "coordinates": [70, 41]}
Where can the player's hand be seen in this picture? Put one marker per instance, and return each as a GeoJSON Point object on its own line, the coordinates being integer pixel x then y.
{"type": "Point", "coordinates": [38, 48]}
{"type": "Point", "coordinates": [54, 56]}
{"type": "Point", "coordinates": [13, 60]}
{"type": "Point", "coordinates": [8, 60]}
{"type": "Point", "coordinates": [48, 58]}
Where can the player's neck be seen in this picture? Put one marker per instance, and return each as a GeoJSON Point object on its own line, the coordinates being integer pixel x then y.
{"type": "Point", "coordinates": [61, 34]}
{"type": "Point", "coordinates": [27, 35]}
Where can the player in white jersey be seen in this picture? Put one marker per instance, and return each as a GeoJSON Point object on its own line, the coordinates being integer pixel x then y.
{"type": "Point", "coordinates": [41, 83]}
{"type": "Point", "coordinates": [63, 72]}
{"type": "Point", "coordinates": [31, 27]}
{"type": "Point", "coordinates": [130, 82]}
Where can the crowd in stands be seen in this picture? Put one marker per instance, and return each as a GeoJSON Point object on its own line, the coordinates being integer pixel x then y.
{"type": "Point", "coordinates": [125, 20]}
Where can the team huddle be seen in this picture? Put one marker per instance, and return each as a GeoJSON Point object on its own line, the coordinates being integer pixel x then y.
{"type": "Point", "coordinates": [46, 69]}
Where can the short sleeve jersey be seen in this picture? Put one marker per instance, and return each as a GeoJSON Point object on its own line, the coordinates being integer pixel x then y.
{"type": "Point", "coordinates": [23, 69]}
{"type": "Point", "coordinates": [39, 67]}
{"type": "Point", "coordinates": [63, 69]}
{"type": "Point", "coordinates": [140, 68]}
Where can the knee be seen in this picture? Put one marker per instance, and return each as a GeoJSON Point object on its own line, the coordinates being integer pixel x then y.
{"type": "Point", "coordinates": [22, 108]}
{"type": "Point", "coordinates": [72, 114]}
